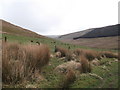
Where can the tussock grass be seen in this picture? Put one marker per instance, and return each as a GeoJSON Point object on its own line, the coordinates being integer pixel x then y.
{"type": "Point", "coordinates": [89, 54]}
{"type": "Point", "coordinates": [109, 54]}
{"type": "Point", "coordinates": [85, 65]}
{"type": "Point", "coordinates": [68, 79]}
{"type": "Point", "coordinates": [69, 55]}
{"type": "Point", "coordinates": [20, 62]}
{"type": "Point", "coordinates": [78, 51]}
{"type": "Point", "coordinates": [64, 53]}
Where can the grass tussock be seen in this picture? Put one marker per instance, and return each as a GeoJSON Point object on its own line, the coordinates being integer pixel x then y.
{"type": "Point", "coordinates": [85, 65]}
{"type": "Point", "coordinates": [20, 62]}
{"type": "Point", "coordinates": [68, 79]}
{"type": "Point", "coordinates": [89, 54]}
{"type": "Point", "coordinates": [109, 54]}
{"type": "Point", "coordinates": [64, 53]}
{"type": "Point", "coordinates": [78, 51]}
{"type": "Point", "coordinates": [69, 55]}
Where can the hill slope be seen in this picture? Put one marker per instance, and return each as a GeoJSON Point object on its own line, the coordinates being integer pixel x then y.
{"type": "Point", "coordinates": [93, 33]}
{"type": "Point", "coordinates": [75, 34]}
{"type": "Point", "coordinates": [105, 37]}
{"type": "Point", "coordinates": [9, 28]}
{"type": "Point", "coordinates": [101, 32]}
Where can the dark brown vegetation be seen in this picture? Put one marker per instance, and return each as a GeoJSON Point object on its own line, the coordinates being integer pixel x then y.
{"type": "Point", "coordinates": [78, 51]}
{"type": "Point", "coordinates": [21, 62]}
{"type": "Point", "coordinates": [89, 54]}
{"type": "Point", "coordinates": [69, 55]}
{"type": "Point", "coordinates": [85, 65]}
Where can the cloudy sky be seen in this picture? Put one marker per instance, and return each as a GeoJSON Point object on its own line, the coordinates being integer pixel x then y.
{"type": "Point", "coordinates": [57, 17]}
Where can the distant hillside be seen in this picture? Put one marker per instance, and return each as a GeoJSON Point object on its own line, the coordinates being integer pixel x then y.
{"type": "Point", "coordinates": [105, 37]}
{"type": "Point", "coordinates": [52, 36]}
{"type": "Point", "coordinates": [9, 28]}
{"type": "Point", "coordinates": [93, 33]}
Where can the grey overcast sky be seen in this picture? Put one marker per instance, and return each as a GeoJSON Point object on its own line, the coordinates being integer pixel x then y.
{"type": "Point", "coordinates": [57, 17]}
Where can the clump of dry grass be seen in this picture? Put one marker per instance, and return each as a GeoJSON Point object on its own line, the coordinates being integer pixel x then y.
{"type": "Point", "coordinates": [78, 51]}
{"type": "Point", "coordinates": [37, 56]}
{"type": "Point", "coordinates": [109, 54]}
{"type": "Point", "coordinates": [19, 62]}
{"type": "Point", "coordinates": [68, 79]}
{"type": "Point", "coordinates": [85, 65]}
{"type": "Point", "coordinates": [69, 55]}
{"type": "Point", "coordinates": [64, 53]}
{"type": "Point", "coordinates": [89, 54]}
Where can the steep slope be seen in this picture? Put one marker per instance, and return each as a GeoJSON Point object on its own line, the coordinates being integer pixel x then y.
{"type": "Point", "coordinates": [9, 28]}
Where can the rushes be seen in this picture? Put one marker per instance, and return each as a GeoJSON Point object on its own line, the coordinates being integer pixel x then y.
{"type": "Point", "coordinates": [64, 53]}
{"type": "Point", "coordinates": [78, 51]}
{"type": "Point", "coordinates": [37, 56]}
{"type": "Point", "coordinates": [85, 65]}
{"type": "Point", "coordinates": [89, 54]}
{"type": "Point", "coordinates": [68, 79]}
{"type": "Point", "coordinates": [109, 54]}
{"type": "Point", "coordinates": [21, 61]}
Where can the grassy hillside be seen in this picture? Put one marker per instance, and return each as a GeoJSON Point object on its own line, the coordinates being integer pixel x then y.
{"type": "Point", "coordinates": [107, 31]}
{"type": "Point", "coordinates": [74, 34]}
{"type": "Point", "coordinates": [105, 37]}
{"type": "Point", "coordinates": [16, 30]}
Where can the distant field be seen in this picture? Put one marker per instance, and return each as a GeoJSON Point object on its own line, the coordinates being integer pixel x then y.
{"type": "Point", "coordinates": [108, 72]}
